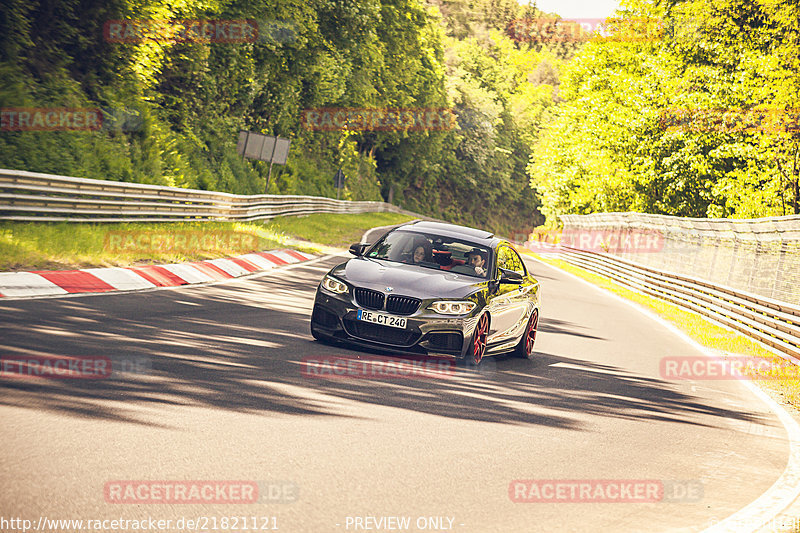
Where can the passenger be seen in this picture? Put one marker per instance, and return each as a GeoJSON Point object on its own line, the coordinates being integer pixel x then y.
{"type": "Point", "coordinates": [423, 253]}
{"type": "Point", "coordinates": [419, 254]}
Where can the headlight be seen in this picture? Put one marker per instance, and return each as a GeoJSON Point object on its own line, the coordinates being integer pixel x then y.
{"type": "Point", "coordinates": [446, 307]}
{"type": "Point", "coordinates": [334, 285]}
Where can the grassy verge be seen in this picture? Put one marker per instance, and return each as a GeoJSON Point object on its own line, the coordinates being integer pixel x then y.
{"type": "Point", "coordinates": [334, 230]}
{"type": "Point", "coordinates": [718, 339]}
{"type": "Point", "coordinates": [53, 246]}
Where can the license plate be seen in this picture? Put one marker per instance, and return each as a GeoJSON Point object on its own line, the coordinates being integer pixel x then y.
{"type": "Point", "coordinates": [382, 319]}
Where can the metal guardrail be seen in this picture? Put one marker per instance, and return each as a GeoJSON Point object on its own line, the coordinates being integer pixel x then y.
{"type": "Point", "coordinates": [30, 196]}
{"type": "Point", "coordinates": [772, 322]}
{"type": "Point", "coordinates": [760, 256]}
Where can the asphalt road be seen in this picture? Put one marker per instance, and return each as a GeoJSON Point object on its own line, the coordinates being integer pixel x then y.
{"type": "Point", "coordinates": [221, 395]}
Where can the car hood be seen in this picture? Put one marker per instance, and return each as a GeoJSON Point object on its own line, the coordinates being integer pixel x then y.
{"type": "Point", "coordinates": [406, 280]}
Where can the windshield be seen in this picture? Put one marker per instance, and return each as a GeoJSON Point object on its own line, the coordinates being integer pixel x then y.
{"type": "Point", "coordinates": [434, 252]}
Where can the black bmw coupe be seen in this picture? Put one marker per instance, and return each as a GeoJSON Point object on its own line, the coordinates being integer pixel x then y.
{"type": "Point", "coordinates": [431, 288]}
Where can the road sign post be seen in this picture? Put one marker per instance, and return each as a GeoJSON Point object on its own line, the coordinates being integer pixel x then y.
{"type": "Point", "coordinates": [274, 150]}
{"type": "Point", "coordinates": [338, 181]}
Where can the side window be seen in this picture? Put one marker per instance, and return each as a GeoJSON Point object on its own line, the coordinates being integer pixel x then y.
{"type": "Point", "coordinates": [519, 266]}
{"type": "Point", "coordinates": [502, 259]}
{"type": "Point", "coordinates": [510, 260]}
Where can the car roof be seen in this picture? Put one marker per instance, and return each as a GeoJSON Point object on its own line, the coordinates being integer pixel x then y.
{"type": "Point", "coordinates": [451, 230]}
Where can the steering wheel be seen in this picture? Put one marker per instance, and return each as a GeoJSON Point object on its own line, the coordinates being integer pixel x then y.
{"type": "Point", "coordinates": [463, 269]}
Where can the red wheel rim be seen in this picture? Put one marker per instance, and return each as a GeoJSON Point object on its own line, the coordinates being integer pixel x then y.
{"type": "Point", "coordinates": [479, 340]}
{"type": "Point", "coordinates": [530, 336]}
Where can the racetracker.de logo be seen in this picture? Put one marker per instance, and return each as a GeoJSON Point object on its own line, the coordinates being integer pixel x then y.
{"type": "Point", "coordinates": [541, 30]}
{"type": "Point", "coordinates": [604, 491]}
{"type": "Point", "coordinates": [181, 492]}
{"type": "Point", "coordinates": [738, 367]}
{"type": "Point", "coordinates": [55, 367]}
{"type": "Point", "coordinates": [596, 240]}
{"type": "Point", "coordinates": [132, 241]}
{"type": "Point", "coordinates": [385, 119]}
{"type": "Point", "coordinates": [730, 120]}
{"type": "Point", "coordinates": [356, 367]}
{"type": "Point", "coordinates": [50, 119]}
{"type": "Point", "coordinates": [136, 31]}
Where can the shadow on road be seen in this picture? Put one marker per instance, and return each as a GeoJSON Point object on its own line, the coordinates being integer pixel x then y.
{"type": "Point", "coordinates": [239, 347]}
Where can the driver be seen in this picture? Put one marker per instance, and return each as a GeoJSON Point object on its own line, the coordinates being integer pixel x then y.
{"type": "Point", "coordinates": [477, 260]}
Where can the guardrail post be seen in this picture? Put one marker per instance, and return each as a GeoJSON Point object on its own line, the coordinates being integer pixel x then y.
{"type": "Point", "coordinates": [754, 267]}
{"type": "Point", "coordinates": [733, 259]}
{"type": "Point", "coordinates": [779, 270]}
{"type": "Point", "coordinates": [713, 263]}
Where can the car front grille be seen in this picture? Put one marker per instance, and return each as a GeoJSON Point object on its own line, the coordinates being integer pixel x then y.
{"type": "Point", "coordinates": [402, 305]}
{"type": "Point", "coordinates": [369, 298]}
{"type": "Point", "coordinates": [383, 334]}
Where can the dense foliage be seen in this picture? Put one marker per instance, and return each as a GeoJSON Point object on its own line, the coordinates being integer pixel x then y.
{"type": "Point", "coordinates": [173, 109]}
{"type": "Point", "coordinates": [541, 120]}
{"type": "Point", "coordinates": [703, 120]}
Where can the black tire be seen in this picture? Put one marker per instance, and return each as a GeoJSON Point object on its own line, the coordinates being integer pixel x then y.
{"type": "Point", "coordinates": [525, 347]}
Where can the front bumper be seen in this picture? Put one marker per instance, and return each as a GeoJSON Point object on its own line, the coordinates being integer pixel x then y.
{"type": "Point", "coordinates": [426, 332]}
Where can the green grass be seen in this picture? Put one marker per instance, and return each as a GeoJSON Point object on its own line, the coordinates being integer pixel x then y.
{"type": "Point", "coordinates": [63, 245]}
{"type": "Point", "coordinates": [705, 332]}
{"type": "Point", "coordinates": [332, 229]}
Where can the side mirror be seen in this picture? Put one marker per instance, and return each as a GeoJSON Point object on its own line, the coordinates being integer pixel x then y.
{"type": "Point", "coordinates": [358, 249]}
{"type": "Point", "coordinates": [510, 276]}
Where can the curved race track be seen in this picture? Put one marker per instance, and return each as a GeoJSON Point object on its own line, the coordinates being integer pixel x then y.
{"type": "Point", "coordinates": [224, 398]}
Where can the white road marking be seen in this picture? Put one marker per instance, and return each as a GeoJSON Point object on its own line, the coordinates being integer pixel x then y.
{"type": "Point", "coordinates": [27, 284]}
{"type": "Point", "coordinates": [120, 278]}
{"type": "Point", "coordinates": [787, 487]}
